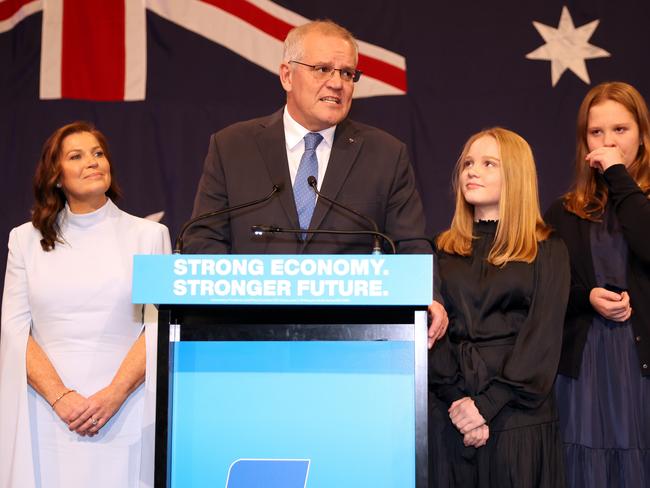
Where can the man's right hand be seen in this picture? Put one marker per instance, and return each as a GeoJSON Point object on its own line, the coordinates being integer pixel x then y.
{"type": "Point", "coordinates": [438, 322]}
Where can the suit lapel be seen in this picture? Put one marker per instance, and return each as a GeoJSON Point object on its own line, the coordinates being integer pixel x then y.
{"type": "Point", "coordinates": [272, 147]}
{"type": "Point", "coordinates": [345, 149]}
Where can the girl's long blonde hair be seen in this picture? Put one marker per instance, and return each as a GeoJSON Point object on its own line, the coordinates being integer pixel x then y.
{"type": "Point", "coordinates": [520, 225]}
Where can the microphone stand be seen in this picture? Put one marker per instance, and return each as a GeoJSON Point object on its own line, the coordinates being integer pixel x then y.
{"type": "Point", "coordinates": [376, 245]}
{"type": "Point", "coordinates": [178, 246]}
{"type": "Point", "coordinates": [260, 230]}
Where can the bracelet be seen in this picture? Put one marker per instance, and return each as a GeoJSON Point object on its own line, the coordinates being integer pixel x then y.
{"type": "Point", "coordinates": [61, 396]}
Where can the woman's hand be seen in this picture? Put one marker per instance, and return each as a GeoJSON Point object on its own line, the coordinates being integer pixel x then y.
{"type": "Point", "coordinates": [465, 416]}
{"type": "Point", "coordinates": [611, 305]}
{"type": "Point", "coordinates": [71, 407]}
{"type": "Point", "coordinates": [477, 437]}
{"type": "Point", "coordinates": [103, 404]}
{"type": "Point", "coordinates": [604, 157]}
{"type": "Point", "coordinates": [101, 407]}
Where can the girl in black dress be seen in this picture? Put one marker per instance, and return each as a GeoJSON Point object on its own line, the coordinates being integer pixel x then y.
{"type": "Point", "coordinates": [505, 283]}
{"type": "Point", "coordinates": [603, 388]}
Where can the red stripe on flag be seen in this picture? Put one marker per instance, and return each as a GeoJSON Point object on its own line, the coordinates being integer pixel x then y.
{"type": "Point", "coordinates": [93, 50]}
{"type": "Point", "coordinates": [9, 7]}
{"type": "Point", "coordinates": [255, 16]}
{"type": "Point", "coordinates": [279, 29]}
{"type": "Point", "coordinates": [382, 71]}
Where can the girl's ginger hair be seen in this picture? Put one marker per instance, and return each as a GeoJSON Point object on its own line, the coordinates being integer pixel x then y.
{"type": "Point", "coordinates": [588, 195]}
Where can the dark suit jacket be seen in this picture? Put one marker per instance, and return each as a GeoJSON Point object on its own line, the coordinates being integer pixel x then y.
{"type": "Point", "coordinates": [632, 209]}
{"type": "Point", "coordinates": [368, 170]}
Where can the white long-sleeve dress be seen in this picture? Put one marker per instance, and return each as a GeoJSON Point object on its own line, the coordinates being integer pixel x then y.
{"type": "Point", "coordinates": [76, 301]}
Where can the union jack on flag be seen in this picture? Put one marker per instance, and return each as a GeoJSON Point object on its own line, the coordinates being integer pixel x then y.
{"type": "Point", "coordinates": [96, 50]}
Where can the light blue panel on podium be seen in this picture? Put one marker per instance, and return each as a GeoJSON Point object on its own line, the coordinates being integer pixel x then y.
{"type": "Point", "coordinates": [269, 473]}
{"type": "Point", "coordinates": [336, 414]}
{"type": "Point", "coordinates": [320, 279]}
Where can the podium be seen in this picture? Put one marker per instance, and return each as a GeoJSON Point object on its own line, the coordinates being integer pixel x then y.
{"type": "Point", "coordinates": [289, 371]}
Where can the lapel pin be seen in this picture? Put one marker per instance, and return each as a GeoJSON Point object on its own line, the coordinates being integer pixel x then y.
{"type": "Point", "coordinates": [350, 140]}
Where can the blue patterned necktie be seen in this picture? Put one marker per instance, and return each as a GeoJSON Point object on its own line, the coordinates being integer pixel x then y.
{"type": "Point", "coordinates": [303, 194]}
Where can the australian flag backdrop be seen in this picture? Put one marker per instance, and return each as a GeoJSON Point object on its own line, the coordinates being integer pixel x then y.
{"type": "Point", "coordinates": [159, 76]}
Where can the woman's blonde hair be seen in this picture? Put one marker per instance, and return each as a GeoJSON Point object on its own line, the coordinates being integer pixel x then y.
{"type": "Point", "coordinates": [520, 225]}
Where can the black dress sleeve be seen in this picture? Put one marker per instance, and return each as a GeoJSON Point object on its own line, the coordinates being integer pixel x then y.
{"type": "Point", "coordinates": [437, 285]}
{"type": "Point", "coordinates": [632, 210]}
{"type": "Point", "coordinates": [445, 379]}
{"type": "Point", "coordinates": [529, 372]}
{"type": "Point", "coordinates": [565, 224]}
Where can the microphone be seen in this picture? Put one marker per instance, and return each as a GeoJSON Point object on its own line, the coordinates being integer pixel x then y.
{"type": "Point", "coordinates": [260, 230]}
{"type": "Point", "coordinates": [178, 246]}
{"type": "Point", "coordinates": [376, 243]}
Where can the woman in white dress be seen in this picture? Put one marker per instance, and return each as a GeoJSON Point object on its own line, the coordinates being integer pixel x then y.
{"type": "Point", "coordinates": [77, 358]}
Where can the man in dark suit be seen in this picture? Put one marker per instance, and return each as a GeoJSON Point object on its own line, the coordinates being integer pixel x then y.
{"type": "Point", "coordinates": [359, 166]}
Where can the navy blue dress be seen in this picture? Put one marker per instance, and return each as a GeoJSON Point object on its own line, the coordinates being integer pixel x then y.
{"type": "Point", "coordinates": [605, 412]}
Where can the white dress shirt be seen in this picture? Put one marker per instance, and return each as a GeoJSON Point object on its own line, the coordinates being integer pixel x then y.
{"type": "Point", "coordinates": [294, 134]}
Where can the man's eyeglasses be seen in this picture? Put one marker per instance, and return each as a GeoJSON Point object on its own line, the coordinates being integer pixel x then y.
{"type": "Point", "coordinates": [323, 72]}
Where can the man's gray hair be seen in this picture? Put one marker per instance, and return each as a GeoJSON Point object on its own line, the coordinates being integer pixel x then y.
{"type": "Point", "coordinates": [294, 47]}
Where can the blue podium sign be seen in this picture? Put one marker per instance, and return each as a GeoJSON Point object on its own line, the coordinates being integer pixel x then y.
{"type": "Point", "coordinates": [304, 371]}
{"type": "Point", "coordinates": [293, 414]}
{"type": "Point", "coordinates": [321, 279]}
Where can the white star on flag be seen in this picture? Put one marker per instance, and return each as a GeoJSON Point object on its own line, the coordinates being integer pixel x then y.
{"type": "Point", "coordinates": [156, 217]}
{"type": "Point", "coordinates": [567, 47]}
